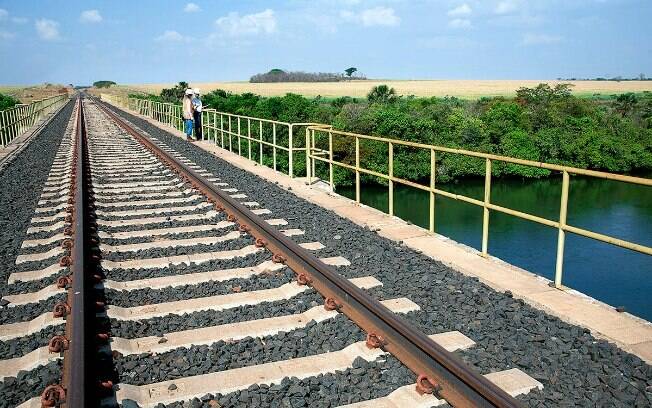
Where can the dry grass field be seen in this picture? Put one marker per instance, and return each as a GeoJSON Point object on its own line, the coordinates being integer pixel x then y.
{"type": "Point", "coordinates": [467, 89]}
{"type": "Point", "coordinates": [27, 94]}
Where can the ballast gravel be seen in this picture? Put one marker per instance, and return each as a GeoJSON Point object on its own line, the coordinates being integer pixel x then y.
{"type": "Point", "coordinates": [575, 368]}
{"type": "Point", "coordinates": [22, 182]}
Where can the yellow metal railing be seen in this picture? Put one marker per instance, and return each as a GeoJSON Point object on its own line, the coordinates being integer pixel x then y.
{"type": "Point", "coordinates": [326, 155]}
{"type": "Point", "coordinates": [224, 127]}
{"type": "Point", "coordinates": [230, 131]}
{"type": "Point", "coordinates": [14, 121]}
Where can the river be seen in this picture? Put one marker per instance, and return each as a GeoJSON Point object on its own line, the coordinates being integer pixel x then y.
{"type": "Point", "coordinates": [614, 275]}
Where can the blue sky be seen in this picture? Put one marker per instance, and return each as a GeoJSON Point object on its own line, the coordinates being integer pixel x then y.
{"type": "Point", "coordinates": [143, 41]}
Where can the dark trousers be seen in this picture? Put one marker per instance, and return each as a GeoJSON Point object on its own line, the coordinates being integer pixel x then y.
{"type": "Point", "coordinates": [197, 121]}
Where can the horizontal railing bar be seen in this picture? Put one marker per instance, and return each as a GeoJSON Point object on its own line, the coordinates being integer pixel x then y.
{"type": "Point", "coordinates": [513, 160]}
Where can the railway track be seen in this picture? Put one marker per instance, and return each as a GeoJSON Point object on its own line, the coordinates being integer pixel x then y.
{"type": "Point", "coordinates": [171, 287]}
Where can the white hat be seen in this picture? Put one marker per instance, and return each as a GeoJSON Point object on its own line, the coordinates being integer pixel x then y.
{"type": "Point", "coordinates": [196, 91]}
{"type": "Point", "coordinates": [189, 92]}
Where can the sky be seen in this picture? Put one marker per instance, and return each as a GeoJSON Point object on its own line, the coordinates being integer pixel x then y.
{"type": "Point", "coordinates": [148, 41]}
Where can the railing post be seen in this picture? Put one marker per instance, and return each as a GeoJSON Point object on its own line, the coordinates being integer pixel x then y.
{"type": "Point", "coordinates": [222, 129]}
{"type": "Point", "coordinates": [330, 162]}
{"type": "Point", "coordinates": [239, 138]}
{"type": "Point", "coordinates": [249, 136]}
{"type": "Point", "coordinates": [230, 135]}
{"type": "Point", "coordinates": [2, 128]}
{"type": "Point", "coordinates": [487, 200]}
{"type": "Point", "coordinates": [313, 162]}
{"type": "Point", "coordinates": [260, 137]}
{"type": "Point", "coordinates": [357, 169]}
{"type": "Point", "coordinates": [308, 175]}
{"type": "Point", "coordinates": [563, 212]}
{"type": "Point", "coordinates": [274, 144]}
{"type": "Point", "coordinates": [433, 172]}
{"type": "Point", "coordinates": [290, 152]}
{"type": "Point", "coordinates": [390, 171]}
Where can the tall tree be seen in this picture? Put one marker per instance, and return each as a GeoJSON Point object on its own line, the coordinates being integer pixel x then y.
{"type": "Point", "coordinates": [350, 71]}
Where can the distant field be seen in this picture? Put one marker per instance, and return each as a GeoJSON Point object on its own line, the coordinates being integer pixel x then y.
{"type": "Point", "coordinates": [467, 89]}
{"type": "Point", "coordinates": [27, 94]}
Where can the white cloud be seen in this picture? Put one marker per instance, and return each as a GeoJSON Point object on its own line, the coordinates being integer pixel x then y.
{"type": "Point", "coordinates": [3, 14]}
{"type": "Point", "coordinates": [506, 7]}
{"type": "Point", "coordinates": [191, 8]}
{"type": "Point", "coordinates": [234, 25]}
{"type": "Point", "coordinates": [540, 39]}
{"type": "Point", "coordinates": [461, 23]}
{"type": "Point", "coordinates": [4, 35]}
{"type": "Point", "coordinates": [90, 16]}
{"type": "Point", "coordinates": [19, 20]}
{"type": "Point", "coordinates": [47, 29]}
{"type": "Point", "coordinates": [447, 42]}
{"type": "Point", "coordinates": [462, 10]}
{"type": "Point", "coordinates": [378, 16]}
{"type": "Point", "coordinates": [171, 36]}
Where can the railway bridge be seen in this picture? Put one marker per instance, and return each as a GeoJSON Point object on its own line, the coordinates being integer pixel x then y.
{"type": "Point", "coordinates": [141, 270]}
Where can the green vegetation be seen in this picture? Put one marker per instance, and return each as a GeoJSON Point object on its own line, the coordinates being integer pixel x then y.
{"type": "Point", "coordinates": [7, 102]}
{"type": "Point", "coordinates": [103, 84]}
{"type": "Point", "coordinates": [542, 124]}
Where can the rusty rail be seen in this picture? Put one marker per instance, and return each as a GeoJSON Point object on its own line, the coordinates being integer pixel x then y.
{"type": "Point", "coordinates": [76, 345]}
{"type": "Point", "coordinates": [438, 370]}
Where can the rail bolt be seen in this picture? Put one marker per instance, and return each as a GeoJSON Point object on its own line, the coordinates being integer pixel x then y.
{"type": "Point", "coordinates": [70, 209]}
{"type": "Point", "coordinates": [332, 304]}
{"type": "Point", "coordinates": [103, 336]}
{"type": "Point", "coordinates": [57, 344]}
{"type": "Point", "coordinates": [278, 258]}
{"type": "Point", "coordinates": [106, 385]}
{"type": "Point", "coordinates": [260, 243]}
{"type": "Point", "coordinates": [374, 340]}
{"type": "Point", "coordinates": [67, 244]}
{"type": "Point", "coordinates": [71, 200]}
{"type": "Point", "coordinates": [67, 231]}
{"type": "Point", "coordinates": [231, 218]}
{"type": "Point", "coordinates": [61, 309]}
{"type": "Point", "coordinates": [303, 279]}
{"type": "Point", "coordinates": [65, 261]}
{"type": "Point", "coordinates": [219, 207]}
{"type": "Point", "coordinates": [53, 395]}
{"type": "Point", "coordinates": [63, 281]}
{"type": "Point", "coordinates": [426, 385]}
{"type": "Point", "coordinates": [99, 305]}
{"type": "Point", "coordinates": [68, 218]}
{"type": "Point", "coordinates": [244, 228]}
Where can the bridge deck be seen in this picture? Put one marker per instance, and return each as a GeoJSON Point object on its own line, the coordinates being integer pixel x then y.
{"type": "Point", "coordinates": [629, 332]}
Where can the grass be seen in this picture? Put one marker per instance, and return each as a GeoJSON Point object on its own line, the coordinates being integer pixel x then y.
{"type": "Point", "coordinates": [465, 89]}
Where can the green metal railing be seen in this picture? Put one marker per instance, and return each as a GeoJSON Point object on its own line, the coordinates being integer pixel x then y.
{"type": "Point", "coordinates": [16, 120]}
{"type": "Point", "coordinates": [318, 148]}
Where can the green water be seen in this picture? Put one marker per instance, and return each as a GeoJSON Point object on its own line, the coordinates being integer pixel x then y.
{"type": "Point", "coordinates": [614, 275]}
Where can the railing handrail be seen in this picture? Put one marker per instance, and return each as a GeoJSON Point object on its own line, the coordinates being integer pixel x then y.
{"type": "Point", "coordinates": [530, 163]}
{"type": "Point", "coordinates": [314, 155]}
{"type": "Point", "coordinates": [15, 120]}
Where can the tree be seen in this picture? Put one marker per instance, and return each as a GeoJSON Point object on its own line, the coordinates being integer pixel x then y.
{"type": "Point", "coordinates": [7, 102]}
{"type": "Point", "coordinates": [175, 93]}
{"type": "Point", "coordinates": [625, 103]}
{"type": "Point", "coordinates": [382, 94]}
{"type": "Point", "coordinates": [103, 84]}
{"type": "Point", "coordinates": [641, 77]}
{"type": "Point", "coordinates": [350, 71]}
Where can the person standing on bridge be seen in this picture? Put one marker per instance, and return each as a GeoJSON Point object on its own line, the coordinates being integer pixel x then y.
{"type": "Point", "coordinates": [187, 113]}
{"type": "Point", "coordinates": [196, 109]}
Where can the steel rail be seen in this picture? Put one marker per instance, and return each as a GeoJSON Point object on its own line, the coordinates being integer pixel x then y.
{"type": "Point", "coordinates": [75, 343]}
{"type": "Point", "coordinates": [438, 370]}
{"type": "Point", "coordinates": [77, 360]}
